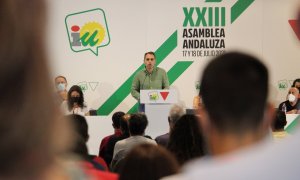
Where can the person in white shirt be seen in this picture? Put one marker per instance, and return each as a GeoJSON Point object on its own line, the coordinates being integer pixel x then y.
{"type": "Point", "coordinates": [236, 119]}
{"type": "Point", "coordinates": [137, 125]}
{"type": "Point", "coordinates": [75, 102]}
{"type": "Point", "coordinates": [61, 88]}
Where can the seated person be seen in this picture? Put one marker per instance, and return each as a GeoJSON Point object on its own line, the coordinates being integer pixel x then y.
{"type": "Point", "coordinates": [196, 102]}
{"type": "Point", "coordinates": [296, 84]}
{"type": "Point", "coordinates": [186, 139]}
{"type": "Point", "coordinates": [116, 118]}
{"type": "Point", "coordinates": [175, 113]}
{"type": "Point", "coordinates": [61, 88]}
{"type": "Point", "coordinates": [292, 105]}
{"type": "Point", "coordinates": [137, 125]}
{"type": "Point", "coordinates": [147, 161]}
{"type": "Point", "coordinates": [278, 126]}
{"type": "Point", "coordinates": [81, 137]}
{"type": "Point", "coordinates": [109, 150]}
{"type": "Point", "coordinates": [75, 102]}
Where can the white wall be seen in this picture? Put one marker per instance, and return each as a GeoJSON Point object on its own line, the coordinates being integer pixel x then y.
{"type": "Point", "coordinates": [137, 26]}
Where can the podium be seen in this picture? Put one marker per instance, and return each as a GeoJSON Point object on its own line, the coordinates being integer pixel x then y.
{"type": "Point", "coordinates": [157, 107]}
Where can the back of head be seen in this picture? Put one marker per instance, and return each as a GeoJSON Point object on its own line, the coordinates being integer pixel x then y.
{"type": "Point", "coordinates": [124, 124]}
{"type": "Point", "coordinates": [295, 81]}
{"type": "Point", "coordinates": [296, 84]}
{"type": "Point", "coordinates": [80, 126]}
{"type": "Point", "coordinates": [175, 113]}
{"type": "Point", "coordinates": [28, 114]}
{"type": "Point", "coordinates": [148, 162]}
{"type": "Point", "coordinates": [186, 139]}
{"type": "Point", "coordinates": [116, 118]}
{"type": "Point", "coordinates": [234, 88]}
{"type": "Point", "coordinates": [280, 121]}
{"type": "Point", "coordinates": [137, 124]}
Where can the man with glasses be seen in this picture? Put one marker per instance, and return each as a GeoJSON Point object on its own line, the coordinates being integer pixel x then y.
{"type": "Point", "coordinates": [149, 78]}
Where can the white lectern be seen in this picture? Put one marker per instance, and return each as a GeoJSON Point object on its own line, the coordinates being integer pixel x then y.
{"type": "Point", "coordinates": [157, 108]}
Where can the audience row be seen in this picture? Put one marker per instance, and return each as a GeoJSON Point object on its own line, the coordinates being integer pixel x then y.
{"type": "Point", "coordinates": [231, 130]}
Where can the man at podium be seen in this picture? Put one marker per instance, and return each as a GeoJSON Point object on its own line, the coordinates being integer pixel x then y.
{"type": "Point", "coordinates": [149, 78]}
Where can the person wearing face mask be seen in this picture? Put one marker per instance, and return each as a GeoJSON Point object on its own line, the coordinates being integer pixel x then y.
{"type": "Point", "coordinates": [61, 88]}
{"type": "Point", "coordinates": [75, 102]}
{"type": "Point", "coordinates": [292, 103]}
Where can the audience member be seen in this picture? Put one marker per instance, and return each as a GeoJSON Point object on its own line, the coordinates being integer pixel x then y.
{"type": "Point", "coordinates": [278, 126]}
{"type": "Point", "coordinates": [148, 162]}
{"type": "Point", "coordinates": [230, 122]}
{"type": "Point", "coordinates": [116, 118]}
{"type": "Point", "coordinates": [33, 137]}
{"type": "Point", "coordinates": [296, 84]}
{"type": "Point", "coordinates": [75, 102]}
{"type": "Point", "coordinates": [109, 151]}
{"type": "Point", "coordinates": [196, 102]}
{"type": "Point", "coordinates": [82, 137]}
{"type": "Point", "coordinates": [292, 105]}
{"type": "Point", "coordinates": [175, 113]}
{"type": "Point", "coordinates": [186, 140]}
{"type": "Point", "coordinates": [137, 125]}
{"type": "Point", "coordinates": [61, 88]}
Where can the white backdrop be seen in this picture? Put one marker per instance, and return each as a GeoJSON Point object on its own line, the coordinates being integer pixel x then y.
{"type": "Point", "coordinates": [137, 26]}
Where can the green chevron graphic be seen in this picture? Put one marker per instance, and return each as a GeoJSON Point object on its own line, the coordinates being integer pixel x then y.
{"type": "Point", "coordinates": [161, 53]}
{"type": "Point", "coordinates": [120, 94]}
{"type": "Point", "coordinates": [173, 74]}
{"type": "Point", "coordinates": [238, 8]}
{"type": "Point", "coordinates": [292, 127]}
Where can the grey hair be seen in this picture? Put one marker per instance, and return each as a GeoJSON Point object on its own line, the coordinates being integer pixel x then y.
{"type": "Point", "coordinates": [176, 112]}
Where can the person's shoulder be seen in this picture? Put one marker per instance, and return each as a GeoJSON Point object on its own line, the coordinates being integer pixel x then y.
{"type": "Point", "coordinates": [150, 141]}
{"type": "Point", "coordinates": [282, 103]}
{"type": "Point", "coordinates": [64, 103]}
{"type": "Point", "coordinates": [122, 142]}
{"type": "Point", "coordinates": [64, 107]}
{"type": "Point", "coordinates": [114, 139]}
{"type": "Point", "coordinates": [162, 137]}
{"type": "Point", "coordinates": [160, 69]}
{"type": "Point", "coordinates": [104, 175]}
{"type": "Point", "coordinates": [140, 72]}
{"type": "Point", "coordinates": [298, 102]}
{"type": "Point", "coordinates": [106, 139]}
{"type": "Point", "coordinates": [118, 144]}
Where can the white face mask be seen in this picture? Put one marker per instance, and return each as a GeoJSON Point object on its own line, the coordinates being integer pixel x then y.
{"type": "Point", "coordinates": [291, 97]}
{"type": "Point", "coordinates": [61, 87]}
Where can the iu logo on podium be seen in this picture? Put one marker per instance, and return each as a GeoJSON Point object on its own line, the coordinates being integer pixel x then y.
{"type": "Point", "coordinates": [155, 95]}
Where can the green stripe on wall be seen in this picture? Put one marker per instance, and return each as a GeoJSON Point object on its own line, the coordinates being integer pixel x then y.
{"type": "Point", "coordinates": [177, 70]}
{"type": "Point", "coordinates": [238, 8]}
{"type": "Point", "coordinates": [291, 128]}
{"type": "Point", "coordinates": [122, 92]}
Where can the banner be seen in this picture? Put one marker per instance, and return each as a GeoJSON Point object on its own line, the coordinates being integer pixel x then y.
{"type": "Point", "coordinates": [99, 45]}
